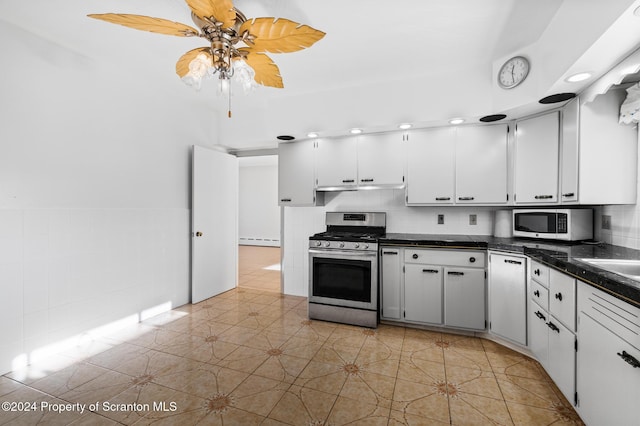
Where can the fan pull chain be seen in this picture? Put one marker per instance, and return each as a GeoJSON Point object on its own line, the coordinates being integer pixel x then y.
{"type": "Point", "coordinates": [229, 111]}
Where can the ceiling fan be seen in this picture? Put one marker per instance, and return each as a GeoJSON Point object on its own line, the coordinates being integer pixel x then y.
{"type": "Point", "coordinates": [238, 45]}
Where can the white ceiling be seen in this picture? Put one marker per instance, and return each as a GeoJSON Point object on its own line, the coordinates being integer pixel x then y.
{"type": "Point", "coordinates": [380, 63]}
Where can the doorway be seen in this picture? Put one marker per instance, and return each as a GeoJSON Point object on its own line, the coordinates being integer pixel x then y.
{"type": "Point", "coordinates": [259, 254]}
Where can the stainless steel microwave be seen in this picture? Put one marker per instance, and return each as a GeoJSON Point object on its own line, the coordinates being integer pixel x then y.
{"type": "Point", "coordinates": [554, 224]}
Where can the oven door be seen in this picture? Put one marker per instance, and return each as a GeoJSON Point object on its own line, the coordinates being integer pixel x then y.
{"type": "Point", "coordinates": [343, 278]}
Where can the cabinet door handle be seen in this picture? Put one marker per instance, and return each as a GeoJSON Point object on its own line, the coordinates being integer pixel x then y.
{"type": "Point", "coordinates": [285, 200]}
{"type": "Point", "coordinates": [543, 197]}
{"type": "Point", "coordinates": [553, 327]}
{"type": "Point", "coordinates": [466, 198]}
{"type": "Point", "coordinates": [539, 315]}
{"type": "Point", "coordinates": [559, 296]}
{"type": "Point", "coordinates": [455, 273]}
{"type": "Point", "coordinates": [443, 198]}
{"type": "Point", "coordinates": [415, 255]}
{"type": "Point", "coordinates": [537, 272]}
{"type": "Point", "coordinates": [629, 359]}
{"type": "Point", "coordinates": [513, 262]}
{"type": "Point", "coordinates": [390, 252]}
{"type": "Point", "coordinates": [536, 293]}
{"type": "Point", "coordinates": [569, 194]}
{"type": "Point", "coordinates": [430, 271]}
{"type": "Point", "coordinates": [366, 180]}
{"type": "Point", "coordinates": [348, 181]}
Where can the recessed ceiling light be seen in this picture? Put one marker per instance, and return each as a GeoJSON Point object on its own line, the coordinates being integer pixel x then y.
{"type": "Point", "coordinates": [355, 131]}
{"type": "Point", "coordinates": [312, 135]}
{"type": "Point", "coordinates": [582, 76]}
{"type": "Point", "coordinates": [404, 126]}
{"type": "Point", "coordinates": [456, 121]}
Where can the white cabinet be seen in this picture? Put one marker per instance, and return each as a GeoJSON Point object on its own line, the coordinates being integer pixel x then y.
{"type": "Point", "coordinates": [561, 364]}
{"type": "Point", "coordinates": [608, 359]}
{"type": "Point", "coordinates": [536, 159]}
{"type": "Point", "coordinates": [562, 298]}
{"type": "Point", "coordinates": [481, 164]}
{"type": "Point", "coordinates": [464, 298]}
{"type": "Point", "coordinates": [381, 160]}
{"type": "Point", "coordinates": [423, 293]}
{"type": "Point", "coordinates": [508, 297]}
{"type": "Point", "coordinates": [431, 166]}
{"type": "Point", "coordinates": [295, 175]}
{"type": "Point", "coordinates": [539, 333]}
{"type": "Point", "coordinates": [336, 163]}
{"type": "Point", "coordinates": [390, 264]}
{"type": "Point", "coordinates": [592, 140]}
{"type": "Point", "coordinates": [457, 165]}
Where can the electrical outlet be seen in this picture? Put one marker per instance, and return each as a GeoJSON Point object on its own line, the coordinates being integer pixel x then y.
{"type": "Point", "coordinates": [606, 221]}
{"type": "Point", "coordinates": [473, 219]}
{"type": "Point", "coordinates": [440, 219]}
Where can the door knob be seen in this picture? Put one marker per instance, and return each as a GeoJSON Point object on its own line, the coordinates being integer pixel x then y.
{"type": "Point", "coordinates": [198, 234]}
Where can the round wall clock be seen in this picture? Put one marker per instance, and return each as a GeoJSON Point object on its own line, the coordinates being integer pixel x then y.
{"type": "Point", "coordinates": [513, 72]}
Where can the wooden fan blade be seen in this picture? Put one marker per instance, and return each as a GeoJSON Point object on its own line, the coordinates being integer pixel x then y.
{"type": "Point", "coordinates": [267, 72]}
{"type": "Point", "coordinates": [182, 66]}
{"type": "Point", "coordinates": [147, 23]}
{"type": "Point", "coordinates": [221, 10]}
{"type": "Point", "coordinates": [281, 35]}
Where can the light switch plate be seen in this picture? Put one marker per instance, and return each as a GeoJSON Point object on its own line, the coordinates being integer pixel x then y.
{"type": "Point", "coordinates": [440, 219]}
{"type": "Point", "coordinates": [473, 219]}
{"type": "Point", "coordinates": [606, 221]}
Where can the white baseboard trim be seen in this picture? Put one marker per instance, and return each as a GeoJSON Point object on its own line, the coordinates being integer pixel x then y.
{"type": "Point", "coordinates": [253, 241]}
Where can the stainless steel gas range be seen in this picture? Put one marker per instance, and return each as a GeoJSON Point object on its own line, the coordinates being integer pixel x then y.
{"type": "Point", "coordinates": [343, 268]}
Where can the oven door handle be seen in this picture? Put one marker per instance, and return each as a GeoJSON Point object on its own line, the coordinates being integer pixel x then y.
{"type": "Point", "coordinates": [345, 253]}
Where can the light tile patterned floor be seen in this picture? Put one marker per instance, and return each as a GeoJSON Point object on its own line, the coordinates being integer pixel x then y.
{"type": "Point", "coordinates": [252, 357]}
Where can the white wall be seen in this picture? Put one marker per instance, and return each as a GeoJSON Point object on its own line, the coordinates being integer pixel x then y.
{"type": "Point", "coordinates": [302, 222]}
{"type": "Point", "coordinates": [94, 195]}
{"type": "Point", "coordinates": [259, 213]}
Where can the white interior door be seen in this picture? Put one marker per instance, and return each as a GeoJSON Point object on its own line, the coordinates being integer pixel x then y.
{"type": "Point", "coordinates": [214, 209]}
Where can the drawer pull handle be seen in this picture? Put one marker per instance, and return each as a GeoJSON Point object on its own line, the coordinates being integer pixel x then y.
{"type": "Point", "coordinates": [390, 252]}
{"type": "Point", "coordinates": [415, 255]}
{"type": "Point", "coordinates": [347, 181]}
{"type": "Point", "coordinates": [513, 262]}
{"type": "Point", "coordinates": [443, 198]}
{"type": "Point", "coordinates": [629, 359]}
{"type": "Point", "coordinates": [559, 296]}
{"type": "Point", "coordinates": [455, 273]}
{"type": "Point", "coordinates": [285, 200]}
{"type": "Point", "coordinates": [569, 194]}
{"type": "Point", "coordinates": [366, 180]}
{"type": "Point", "coordinates": [539, 315]}
{"type": "Point", "coordinates": [472, 260]}
{"type": "Point", "coordinates": [536, 293]}
{"type": "Point", "coordinates": [543, 197]}
{"type": "Point", "coordinates": [430, 271]}
{"type": "Point", "coordinates": [537, 272]}
{"type": "Point", "coordinates": [466, 198]}
{"type": "Point", "coordinates": [553, 327]}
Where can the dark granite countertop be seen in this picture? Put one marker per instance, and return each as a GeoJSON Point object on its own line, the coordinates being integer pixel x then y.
{"type": "Point", "coordinates": [562, 256]}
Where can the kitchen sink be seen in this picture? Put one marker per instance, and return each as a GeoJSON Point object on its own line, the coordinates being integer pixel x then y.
{"type": "Point", "coordinates": [626, 268]}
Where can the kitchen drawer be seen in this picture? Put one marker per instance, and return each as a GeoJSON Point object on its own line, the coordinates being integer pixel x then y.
{"type": "Point", "coordinates": [562, 298]}
{"type": "Point", "coordinates": [619, 317]}
{"type": "Point", "coordinates": [540, 273]}
{"type": "Point", "coordinates": [539, 294]}
{"type": "Point", "coordinates": [466, 258]}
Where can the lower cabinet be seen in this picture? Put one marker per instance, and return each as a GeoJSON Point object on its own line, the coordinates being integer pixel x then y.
{"type": "Point", "coordinates": [434, 287]}
{"type": "Point", "coordinates": [608, 359]}
{"type": "Point", "coordinates": [508, 297]}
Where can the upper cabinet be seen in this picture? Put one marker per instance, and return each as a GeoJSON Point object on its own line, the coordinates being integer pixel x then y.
{"type": "Point", "coordinates": [337, 163]}
{"type": "Point", "coordinates": [599, 156]}
{"type": "Point", "coordinates": [365, 161]}
{"type": "Point", "coordinates": [381, 160]}
{"type": "Point", "coordinates": [536, 159]}
{"type": "Point", "coordinates": [481, 164]}
{"type": "Point", "coordinates": [295, 174]}
{"type": "Point", "coordinates": [463, 165]}
{"type": "Point", "coordinates": [431, 166]}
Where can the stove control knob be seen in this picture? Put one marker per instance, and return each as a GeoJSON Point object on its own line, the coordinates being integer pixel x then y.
{"type": "Point", "coordinates": [357, 245]}
{"type": "Point", "coordinates": [318, 243]}
{"type": "Point", "coordinates": [366, 246]}
{"type": "Point", "coordinates": [341, 245]}
{"type": "Point", "coordinates": [327, 244]}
